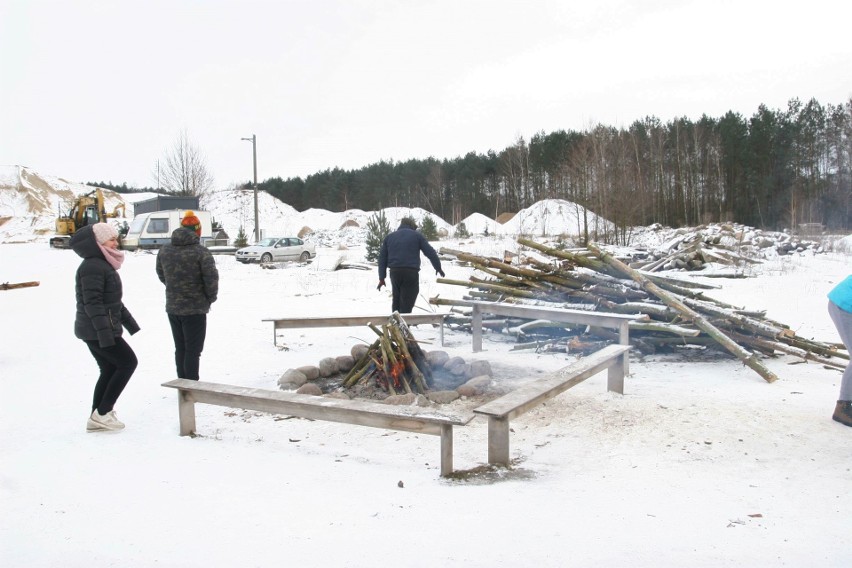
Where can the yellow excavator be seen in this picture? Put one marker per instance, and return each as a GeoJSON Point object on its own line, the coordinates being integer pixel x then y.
{"type": "Point", "coordinates": [86, 210]}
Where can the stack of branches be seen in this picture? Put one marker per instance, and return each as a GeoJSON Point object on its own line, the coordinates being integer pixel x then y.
{"type": "Point", "coordinates": [675, 312]}
{"type": "Point", "coordinates": [394, 361]}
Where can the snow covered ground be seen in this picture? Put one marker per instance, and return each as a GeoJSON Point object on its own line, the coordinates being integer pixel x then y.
{"type": "Point", "coordinates": [699, 463]}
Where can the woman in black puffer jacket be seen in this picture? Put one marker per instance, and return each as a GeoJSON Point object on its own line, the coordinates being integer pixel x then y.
{"type": "Point", "coordinates": [100, 318]}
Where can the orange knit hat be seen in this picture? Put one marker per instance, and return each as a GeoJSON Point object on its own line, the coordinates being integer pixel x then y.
{"type": "Point", "coordinates": [191, 222]}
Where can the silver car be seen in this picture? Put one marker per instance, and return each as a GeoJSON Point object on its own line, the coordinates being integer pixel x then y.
{"type": "Point", "coordinates": [276, 249]}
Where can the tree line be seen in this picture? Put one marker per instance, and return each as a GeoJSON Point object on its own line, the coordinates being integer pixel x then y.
{"type": "Point", "coordinates": [775, 170]}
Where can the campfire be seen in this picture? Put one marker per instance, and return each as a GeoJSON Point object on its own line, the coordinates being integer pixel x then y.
{"type": "Point", "coordinates": [394, 361]}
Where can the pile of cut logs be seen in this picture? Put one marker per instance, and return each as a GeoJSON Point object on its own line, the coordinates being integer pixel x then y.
{"type": "Point", "coordinates": [728, 244]}
{"type": "Point", "coordinates": [394, 361]}
{"type": "Point", "coordinates": [675, 312]}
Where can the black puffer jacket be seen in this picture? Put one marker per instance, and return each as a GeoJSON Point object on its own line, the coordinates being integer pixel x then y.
{"type": "Point", "coordinates": [100, 312]}
{"type": "Point", "coordinates": [189, 272]}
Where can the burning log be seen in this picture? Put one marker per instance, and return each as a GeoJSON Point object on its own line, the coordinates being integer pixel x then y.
{"type": "Point", "coordinates": [394, 361]}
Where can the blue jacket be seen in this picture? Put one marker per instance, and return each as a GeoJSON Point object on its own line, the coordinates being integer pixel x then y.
{"type": "Point", "coordinates": [841, 295]}
{"type": "Point", "coordinates": [401, 249]}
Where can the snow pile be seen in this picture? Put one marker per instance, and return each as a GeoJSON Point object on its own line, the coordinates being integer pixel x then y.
{"type": "Point", "coordinates": [555, 217]}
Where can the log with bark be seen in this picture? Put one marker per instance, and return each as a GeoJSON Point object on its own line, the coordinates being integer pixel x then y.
{"type": "Point", "coordinates": [13, 286]}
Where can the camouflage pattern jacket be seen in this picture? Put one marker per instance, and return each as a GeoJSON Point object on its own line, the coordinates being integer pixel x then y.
{"type": "Point", "coordinates": [189, 272]}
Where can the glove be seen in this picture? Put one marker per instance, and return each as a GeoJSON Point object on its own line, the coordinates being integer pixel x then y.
{"type": "Point", "coordinates": [441, 272]}
{"type": "Point", "coordinates": [381, 283]}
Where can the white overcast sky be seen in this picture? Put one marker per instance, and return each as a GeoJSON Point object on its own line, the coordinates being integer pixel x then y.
{"type": "Point", "coordinates": [100, 90]}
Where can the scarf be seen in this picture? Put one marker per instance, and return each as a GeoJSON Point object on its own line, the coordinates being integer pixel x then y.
{"type": "Point", "coordinates": [113, 256]}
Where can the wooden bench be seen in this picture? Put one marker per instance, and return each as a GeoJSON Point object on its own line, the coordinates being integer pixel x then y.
{"type": "Point", "coordinates": [502, 410]}
{"type": "Point", "coordinates": [363, 413]}
{"type": "Point", "coordinates": [345, 321]}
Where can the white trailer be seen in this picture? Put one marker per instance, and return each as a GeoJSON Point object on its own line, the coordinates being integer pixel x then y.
{"type": "Point", "coordinates": [153, 230]}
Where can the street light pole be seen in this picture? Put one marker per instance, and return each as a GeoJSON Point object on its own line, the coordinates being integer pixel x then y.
{"type": "Point", "coordinates": [253, 141]}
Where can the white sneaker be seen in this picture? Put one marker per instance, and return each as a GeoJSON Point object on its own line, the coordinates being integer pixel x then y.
{"type": "Point", "coordinates": [106, 421]}
{"type": "Point", "coordinates": [92, 426]}
{"type": "Point", "coordinates": [114, 419]}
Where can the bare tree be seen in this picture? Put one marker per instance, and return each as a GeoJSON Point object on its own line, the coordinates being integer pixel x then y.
{"type": "Point", "coordinates": [185, 170]}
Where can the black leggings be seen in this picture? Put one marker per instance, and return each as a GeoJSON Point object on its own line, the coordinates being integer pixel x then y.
{"type": "Point", "coordinates": [117, 364]}
{"type": "Point", "coordinates": [405, 284]}
{"type": "Point", "coordinates": [189, 333]}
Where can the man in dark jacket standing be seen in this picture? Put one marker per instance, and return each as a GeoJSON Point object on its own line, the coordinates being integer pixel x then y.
{"type": "Point", "coordinates": [189, 272]}
{"type": "Point", "coordinates": [401, 254]}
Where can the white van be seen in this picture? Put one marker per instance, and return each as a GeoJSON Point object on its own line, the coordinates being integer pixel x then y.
{"type": "Point", "coordinates": [153, 230]}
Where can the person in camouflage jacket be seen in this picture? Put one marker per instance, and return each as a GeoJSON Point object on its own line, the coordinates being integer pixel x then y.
{"type": "Point", "coordinates": [189, 272]}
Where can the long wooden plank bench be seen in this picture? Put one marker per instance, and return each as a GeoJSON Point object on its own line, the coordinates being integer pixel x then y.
{"type": "Point", "coordinates": [346, 321]}
{"type": "Point", "coordinates": [511, 405]}
{"type": "Point", "coordinates": [363, 413]}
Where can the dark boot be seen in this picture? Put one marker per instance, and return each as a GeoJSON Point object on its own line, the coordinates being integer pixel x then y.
{"type": "Point", "coordinates": [843, 412]}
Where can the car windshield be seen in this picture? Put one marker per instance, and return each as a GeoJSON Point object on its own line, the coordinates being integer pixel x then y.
{"type": "Point", "coordinates": [267, 242]}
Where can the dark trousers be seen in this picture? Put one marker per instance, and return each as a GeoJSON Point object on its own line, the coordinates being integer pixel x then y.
{"type": "Point", "coordinates": [117, 364]}
{"type": "Point", "coordinates": [189, 333]}
{"type": "Point", "coordinates": [405, 285]}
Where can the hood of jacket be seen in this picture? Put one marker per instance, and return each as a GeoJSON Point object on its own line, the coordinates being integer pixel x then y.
{"type": "Point", "coordinates": [84, 244]}
{"type": "Point", "coordinates": [182, 237]}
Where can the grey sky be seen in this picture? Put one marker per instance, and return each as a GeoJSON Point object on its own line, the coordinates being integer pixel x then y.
{"type": "Point", "coordinates": [99, 90]}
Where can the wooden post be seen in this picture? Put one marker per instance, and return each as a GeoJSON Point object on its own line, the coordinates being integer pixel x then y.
{"type": "Point", "coordinates": [498, 440]}
{"type": "Point", "coordinates": [615, 375]}
{"type": "Point", "coordinates": [186, 413]}
{"type": "Point", "coordinates": [476, 328]}
{"type": "Point", "coordinates": [446, 450]}
{"type": "Point", "coordinates": [624, 339]}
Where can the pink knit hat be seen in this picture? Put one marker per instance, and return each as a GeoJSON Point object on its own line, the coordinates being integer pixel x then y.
{"type": "Point", "coordinates": [104, 232]}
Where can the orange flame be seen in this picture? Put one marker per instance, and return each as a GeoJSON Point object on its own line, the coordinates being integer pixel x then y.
{"type": "Point", "coordinates": [396, 371]}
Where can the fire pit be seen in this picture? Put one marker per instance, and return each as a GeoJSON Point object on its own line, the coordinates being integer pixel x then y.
{"type": "Point", "coordinates": [395, 369]}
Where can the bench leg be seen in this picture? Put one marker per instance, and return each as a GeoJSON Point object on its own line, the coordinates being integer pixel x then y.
{"type": "Point", "coordinates": [442, 333]}
{"type": "Point", "coordinates": [498, 441]}
{"type": "Point", "coordinates": [186, 413]}
{"type": "Point", "coordinates": [615, 376]}
{"type": "Point", "coordinates": [624, 339]}
{"type": "Point", "coordinates": [446, 450]}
